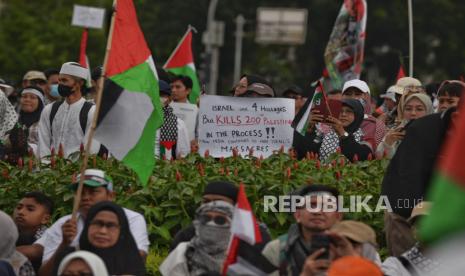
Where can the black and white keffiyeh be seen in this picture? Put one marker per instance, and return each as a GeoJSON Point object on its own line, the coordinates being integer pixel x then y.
{"type": "Point", "coordinates": [330, 143]}
{"type": "Point", "coordinates": [169, 129]}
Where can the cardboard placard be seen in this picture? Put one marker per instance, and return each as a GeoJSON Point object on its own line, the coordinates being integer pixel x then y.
{"type": "Point", "coordinates": [188, 113]}
{"type": "Point", "coordinates": [259, 124]}
{"type": "Point", "coordinates": [88, 17]}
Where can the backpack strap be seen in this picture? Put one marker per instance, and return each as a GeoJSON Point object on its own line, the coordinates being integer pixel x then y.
{"type": "Point", "coordinates": [83, 114]}
{"type": "Point", "coordinates": [54, 111]}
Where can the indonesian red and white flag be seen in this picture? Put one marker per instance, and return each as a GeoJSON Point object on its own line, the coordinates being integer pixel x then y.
{"type": "Point", "coordinates": [243, 227]}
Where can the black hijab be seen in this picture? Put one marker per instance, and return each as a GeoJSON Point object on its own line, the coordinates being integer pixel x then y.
{"type": "Point", "coordinates": [359, 114]}
{"type": "Point", "coordinates": [29, 118]}
{"type": "Point", "coordinates": [122, 258]}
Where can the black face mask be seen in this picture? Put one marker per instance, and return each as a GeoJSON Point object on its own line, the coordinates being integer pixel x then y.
{"type": "Point", "coordinates": [64, 90]}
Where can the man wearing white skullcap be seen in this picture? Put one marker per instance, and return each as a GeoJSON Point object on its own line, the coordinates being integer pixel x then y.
{"type": "Point", "coordinates": [67, 122]}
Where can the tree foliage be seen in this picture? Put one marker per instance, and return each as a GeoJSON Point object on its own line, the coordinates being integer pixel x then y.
{"type": "Point", "coordinates": [38, 35]}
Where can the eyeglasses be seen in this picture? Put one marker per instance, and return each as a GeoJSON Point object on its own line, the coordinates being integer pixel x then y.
{"type": "Point", "coordinates": [111, 226]}
{"type": "Point", "coordinates": [218, 220]}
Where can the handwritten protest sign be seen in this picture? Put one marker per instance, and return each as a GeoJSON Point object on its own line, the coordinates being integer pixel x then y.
{"type": "Point", "coordinates": [260, 124]}
{"type": "Point", "coordinates": [188, 113]}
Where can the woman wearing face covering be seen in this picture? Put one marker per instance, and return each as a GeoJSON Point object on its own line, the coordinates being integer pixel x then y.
{"type": "Point", "coordinates": [345, 134]}
{"type": "Point", "coordinates": [207, 250]}
{"type": "Point", "coordinates": [414, 106]}
{"type": "Point", "coordinates": [106, 233]}
{"type": "Point", "coordinates": [20, 264]}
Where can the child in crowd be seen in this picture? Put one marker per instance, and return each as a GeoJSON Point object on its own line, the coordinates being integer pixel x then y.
{"type": "Point", "coordinates": [32, 215]}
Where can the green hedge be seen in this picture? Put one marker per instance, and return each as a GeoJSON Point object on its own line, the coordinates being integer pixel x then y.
{"type": "Point", "coordinates": [174, 191]}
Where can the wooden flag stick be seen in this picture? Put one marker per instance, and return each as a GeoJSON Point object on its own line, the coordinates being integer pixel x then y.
{"type": "Point", "coordinates": [77, 197]}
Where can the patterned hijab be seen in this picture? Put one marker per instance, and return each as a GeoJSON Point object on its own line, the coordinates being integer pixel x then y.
{"type": "Point", "coordinates": [8, 116]}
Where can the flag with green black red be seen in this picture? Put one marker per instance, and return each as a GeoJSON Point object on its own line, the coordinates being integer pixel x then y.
{"type": "Point", "coordinates": [181, 62]}
{"type": "Point", "coordinates": [300, 122]}
{"type": "Point", "coordinates": [130, 110]}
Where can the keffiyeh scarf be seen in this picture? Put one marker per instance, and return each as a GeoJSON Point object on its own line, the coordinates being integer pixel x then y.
{"type": "Point", "coordinates": [169, 129]}
{"type": "Point", "coordinates": [330, 143]}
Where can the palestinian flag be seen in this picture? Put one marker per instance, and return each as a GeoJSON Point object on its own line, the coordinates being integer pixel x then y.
{"type": "Point", "coordinates": [300, 122]}
{"type": "Point", "coordinates": [448, 189]}
{"type": "Point", "coordinates": [181, 62]}
{"type": "Point", "coordinates": [130, 111]}
{"type": "Point", "coordinates": [83, 59]}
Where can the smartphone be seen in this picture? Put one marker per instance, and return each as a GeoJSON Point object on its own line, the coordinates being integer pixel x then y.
{"type": "Point", "coordinates": [333, 108]}
{"type": "Point", "coordinates": [320, 241]}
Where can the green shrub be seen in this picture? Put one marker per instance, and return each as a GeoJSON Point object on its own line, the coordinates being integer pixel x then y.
{"type": "Point", "coordinates": [174, 191]}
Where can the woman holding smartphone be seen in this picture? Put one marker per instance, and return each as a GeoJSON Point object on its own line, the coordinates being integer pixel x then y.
{"type": "Point", "coordinates": [415, 106]}
{"type": "Point", "coordinates": [345, 134]}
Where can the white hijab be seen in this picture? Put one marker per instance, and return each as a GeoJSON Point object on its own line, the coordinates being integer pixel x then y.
{"type": "Point", "coordinates": [8, 243]}
{"type": "Point", "coordinates": [93, 261]}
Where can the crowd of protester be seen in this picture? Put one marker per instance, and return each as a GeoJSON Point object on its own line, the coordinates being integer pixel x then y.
{"type": "Point", "coordinates": [54, 109]}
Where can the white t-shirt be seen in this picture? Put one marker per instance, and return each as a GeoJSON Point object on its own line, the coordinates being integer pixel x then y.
{"type": "Point", "coordinates": [52, 238]}
{"type": "Point", "coordinates": [189, 114]}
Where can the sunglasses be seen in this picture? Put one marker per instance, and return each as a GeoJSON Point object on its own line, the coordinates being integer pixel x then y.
{"type": "Point", "coordinates": [217, 220]}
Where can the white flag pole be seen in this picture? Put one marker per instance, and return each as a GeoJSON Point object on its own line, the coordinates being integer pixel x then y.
{"type": "Point", "coordinates": [410, 31]}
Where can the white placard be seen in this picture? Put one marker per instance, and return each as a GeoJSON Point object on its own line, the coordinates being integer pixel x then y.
{"type": "Point", "coordinates": [88, 17]}
{"type": "Point", "coordinates": [188, 113]}
{"type": "Point", "coordinates": [261, 124]}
